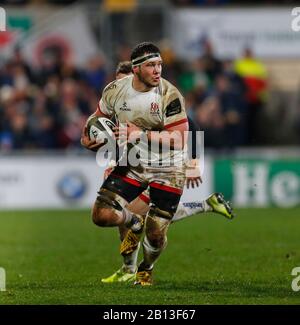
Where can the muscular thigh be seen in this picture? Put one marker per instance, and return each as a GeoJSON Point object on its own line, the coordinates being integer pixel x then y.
{"type": "Point", "coordinates": [165, 192]}
{"type": "Point", "coordinates": [140, 205]}
{"type": "Point", "coordinates": [120, 186]}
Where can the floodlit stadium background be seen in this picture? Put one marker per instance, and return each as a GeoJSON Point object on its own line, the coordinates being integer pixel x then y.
{"type": "Point", "coordinates": [237, 64]}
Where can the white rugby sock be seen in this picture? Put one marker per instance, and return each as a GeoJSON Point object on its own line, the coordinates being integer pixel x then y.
{"type": "Point", "coordinates": [151, 254]}
{"type": "Point", "coordinates": [132, 220]}
{"type": "Point", "coordinates": [188, 209]}
{"type": "Point", "coordinates": [127, 215]}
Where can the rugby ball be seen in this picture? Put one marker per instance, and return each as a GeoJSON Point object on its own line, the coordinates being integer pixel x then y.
{"type": "Point", "coordinates": [101, 130]}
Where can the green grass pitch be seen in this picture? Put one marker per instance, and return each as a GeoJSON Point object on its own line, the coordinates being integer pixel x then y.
{"type": "Point", "coordinates": [59, 257]}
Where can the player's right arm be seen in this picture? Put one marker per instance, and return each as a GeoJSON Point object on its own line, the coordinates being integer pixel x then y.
{"type": "Point", "coordinates": [85, 140]}
{"type": "Point", "coordinates": [104, 109]}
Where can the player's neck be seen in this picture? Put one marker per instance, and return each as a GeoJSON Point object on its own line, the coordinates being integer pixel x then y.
{"type": "Point", "coordinates": [140, 86]}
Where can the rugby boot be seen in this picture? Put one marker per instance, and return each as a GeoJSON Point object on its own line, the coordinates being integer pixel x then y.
{"type": "Point", "coordinates": [218, 204]}
{"type": "Point", "coordinates": [122, 275]}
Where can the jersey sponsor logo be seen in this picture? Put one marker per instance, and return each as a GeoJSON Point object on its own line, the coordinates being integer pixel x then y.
{"type": "Point", "coordinates": [173, 108]}
{"type": "Point", "coordinates": [154, 109]}
{"type": "Point", "coordinates": [125, 107]}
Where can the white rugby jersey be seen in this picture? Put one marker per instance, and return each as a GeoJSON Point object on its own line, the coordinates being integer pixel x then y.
{"type": "Point", "coordinates": [158, 109]}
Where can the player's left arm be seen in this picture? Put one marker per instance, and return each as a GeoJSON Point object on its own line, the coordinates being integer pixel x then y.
{"type": "Point", "coordinates": [175, 123]}
{"type": "Point", "coordinates": [175, 119]}
{"type": "Point", "coordinates": [174, 137]}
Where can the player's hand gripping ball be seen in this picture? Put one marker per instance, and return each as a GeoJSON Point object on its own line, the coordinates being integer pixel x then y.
{"type": "Point", "coordinates": [100, 130]}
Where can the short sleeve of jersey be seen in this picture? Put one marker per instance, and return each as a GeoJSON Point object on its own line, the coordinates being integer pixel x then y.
{"type": "Point", "coordinates": [105, 103]}
{"type": "Point", "coordinates": [174, 109]}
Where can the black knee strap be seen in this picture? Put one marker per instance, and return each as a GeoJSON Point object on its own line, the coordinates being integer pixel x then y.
{"type": "Point", "coordinates": [163, 202]}
{"type": "Point", "coordinates": [156, 212]}
{"type": "Point", "coordinates": [107, 198]}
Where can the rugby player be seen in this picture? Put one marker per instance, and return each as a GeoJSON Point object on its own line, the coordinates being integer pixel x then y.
{"type": "Point", "coordinates": [147, 63]}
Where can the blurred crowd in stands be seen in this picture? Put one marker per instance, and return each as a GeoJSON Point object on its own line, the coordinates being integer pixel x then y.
{"type": "Point", "coordinates": [46, 108]}
{"type": "Point", "coordinates": [174, 2]}
{"type": "Point", "coordinates": [230, 2]}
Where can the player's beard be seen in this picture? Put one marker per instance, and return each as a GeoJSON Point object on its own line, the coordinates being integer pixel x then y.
{"type": "Point", "coordinates": [143, 80]}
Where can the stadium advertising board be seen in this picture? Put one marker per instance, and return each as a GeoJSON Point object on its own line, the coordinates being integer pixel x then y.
{"type": "Point", "coordinates": [259, 183]}
{"type": "Point", "coordinates": [63, 182]}
{"type": "Point", "coordinates": [231, 30]}
{"type": "Point", "coordinates": [48, 182]}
